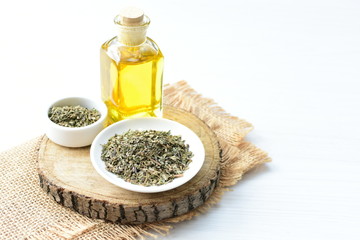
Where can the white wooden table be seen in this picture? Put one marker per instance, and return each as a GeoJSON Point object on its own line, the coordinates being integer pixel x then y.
{"type": "Point", "coordinates": [292, 68]}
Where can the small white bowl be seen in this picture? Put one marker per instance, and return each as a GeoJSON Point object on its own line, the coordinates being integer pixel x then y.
{"type": "Point", "coordinates": [78, 136]}
{"type": "Point", "coordinates": [160, 124]}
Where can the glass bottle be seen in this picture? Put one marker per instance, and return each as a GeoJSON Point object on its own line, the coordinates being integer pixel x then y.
{"type": "Point", "coordinates": [131, 70]}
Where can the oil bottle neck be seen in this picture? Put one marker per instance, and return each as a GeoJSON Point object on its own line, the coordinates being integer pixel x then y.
{"type": "Point", "coordinates": [133, 25]}
{"type": "Point", "coordinates": [132, 35]}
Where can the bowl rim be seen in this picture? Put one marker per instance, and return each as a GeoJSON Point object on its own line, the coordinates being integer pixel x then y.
{"type": "Point", "coordinates": [139, 188]}
{"type": "Point", "coordinates": [103, 111]}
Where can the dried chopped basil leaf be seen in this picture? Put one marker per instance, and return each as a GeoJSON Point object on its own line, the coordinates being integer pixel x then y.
{"type": "Point", "coordinates": [73, 116]}
{"type": "Point", "coordinates": [148, 158]}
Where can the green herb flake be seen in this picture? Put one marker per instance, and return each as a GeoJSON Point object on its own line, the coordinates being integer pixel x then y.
{"type": "Point", "coordinates": [147, 158]}
{"type": "Point", "coordinates": [73, 116]}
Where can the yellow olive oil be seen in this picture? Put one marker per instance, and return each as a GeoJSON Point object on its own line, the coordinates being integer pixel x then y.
{"type": "Point", "coordinates": [131, 73]}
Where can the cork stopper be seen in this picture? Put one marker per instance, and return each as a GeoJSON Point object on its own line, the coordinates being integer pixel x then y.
{"type": "Point", "coordinates": [131, 16]}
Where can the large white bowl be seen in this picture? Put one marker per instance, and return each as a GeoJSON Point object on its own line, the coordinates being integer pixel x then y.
{"type": "Point", "coordinates": [79, 136]}
{"type": "Point", "coordinates": [195, 146]}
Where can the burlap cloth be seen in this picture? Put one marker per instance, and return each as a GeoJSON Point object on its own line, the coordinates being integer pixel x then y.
{"type": "Point", "coordinates": [26, 212]}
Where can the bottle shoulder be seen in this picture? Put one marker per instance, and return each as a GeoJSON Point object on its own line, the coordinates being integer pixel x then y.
{"type": "Point", "coordinates": [119, 52]}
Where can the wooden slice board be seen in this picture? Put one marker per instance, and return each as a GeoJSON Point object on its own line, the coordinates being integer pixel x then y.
{"type": "Point", "coordinates": [67, 175]}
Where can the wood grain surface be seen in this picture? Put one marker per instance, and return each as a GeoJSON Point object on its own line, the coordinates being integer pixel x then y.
{"type": "Point", "coordinates": [68, 176]}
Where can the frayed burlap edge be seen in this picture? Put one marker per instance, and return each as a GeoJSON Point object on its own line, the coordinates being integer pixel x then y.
{"type": "Point", "coordinates": [238, 157]}
{"type": "Point", "coordinates": [228, 128]}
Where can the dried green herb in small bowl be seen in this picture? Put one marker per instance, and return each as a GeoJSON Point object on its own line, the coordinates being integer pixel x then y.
{"type": "Point", "coordinates": [73, 116]}
{"type": "Point", "coordinates": [75, 121]}
{"type": "Point", "coordinates": [147, 157]}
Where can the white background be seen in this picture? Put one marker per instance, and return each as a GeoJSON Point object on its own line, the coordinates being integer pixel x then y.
{"type": "Point", "coordinates": [292, 68]}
